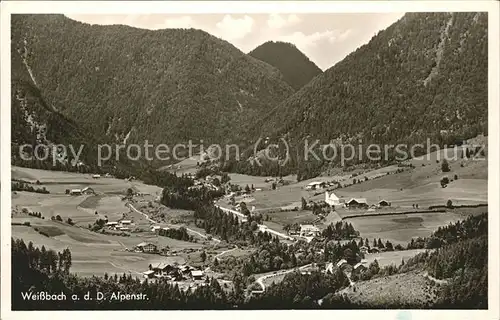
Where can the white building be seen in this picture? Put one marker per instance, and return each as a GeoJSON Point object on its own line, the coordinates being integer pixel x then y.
{"type": "Point", "coordinates": [75, 192]}
{"type": "Point", "coordinates": [315, 185]}
{"type": "Point", "coordinates": [332, 199]}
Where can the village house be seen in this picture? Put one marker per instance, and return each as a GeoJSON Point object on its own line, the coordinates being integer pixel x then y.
{"type": "Point", "coordinates": [197, 274]}
{"type": "Point", "coordinates": [359, 203]}
{"type": "Point", "coordinates": [111, 224]}
{"type": "Point", "coordinates": [308, 230]}
{"type": "Point", "coordinates": [126, 222]}
{"type": "Point", "coordinates": [96, 176]}
{"type": "Point", "coordinates": [332, 199]}
{"type": "Point", "coordinates": [146, 247]}
{"type": "Point", "coordinates": [341, 263]}
{"type": "Point", "coordinates": [155, 228]}
{"type": "Point", "coordinates": [384, 203]}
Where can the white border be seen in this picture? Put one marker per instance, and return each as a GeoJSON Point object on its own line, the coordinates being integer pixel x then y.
{"type": "Point", "coordinates": [191, 7]}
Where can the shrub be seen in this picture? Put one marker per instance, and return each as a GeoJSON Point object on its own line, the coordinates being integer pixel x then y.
{"type": "Point", "coordinates": [449, 204]}
{"type": "Point", "coordinates": [445, 167]}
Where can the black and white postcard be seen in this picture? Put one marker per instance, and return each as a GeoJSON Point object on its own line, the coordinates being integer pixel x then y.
{"type": "Point", "coordinates": [272, 156]}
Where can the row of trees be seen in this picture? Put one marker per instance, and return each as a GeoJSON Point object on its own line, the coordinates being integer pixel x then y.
{"type": "Point", "coordinates": [22, 186]}
{"type": "Point", "coordinates": [178, 234]}
{"type": "Point", "coordinates": [341, 230]}
{"type": "Point", "coordinates": [214, 221]}
{"type": "Point", "coordinates": [189, 199]}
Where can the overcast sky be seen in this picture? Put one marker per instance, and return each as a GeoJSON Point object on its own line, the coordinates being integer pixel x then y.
{"type": "Point", "coordinates": [324, 38]}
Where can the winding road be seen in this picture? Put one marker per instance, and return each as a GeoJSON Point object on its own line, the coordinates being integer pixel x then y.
{"type": "Point", "coordinates": [261, 279]}
{"type": "Point", "coordinates": [262, 227]}
{"type": "Point", "coordinates": [169, 225]}
{"type": "Point", "coordinates": [438, 281]}
{"type": "Point", "coordinates": [224, 252]}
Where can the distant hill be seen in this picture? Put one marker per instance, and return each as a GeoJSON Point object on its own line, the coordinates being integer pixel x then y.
{"type": "Point", "coordinates": [131, 85]}
{"type": "Point", "coordinates": [295, 66]}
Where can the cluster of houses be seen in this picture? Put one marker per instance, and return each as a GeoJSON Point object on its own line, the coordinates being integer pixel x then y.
{"type": "Point", "coordinates": [123, 225]}
{"type": "Point", "coordinates": [354, 203]}
{"type": "Point", "coordinates": [208, 183]}
{"type": "Point", "coordinates": [173, 272]}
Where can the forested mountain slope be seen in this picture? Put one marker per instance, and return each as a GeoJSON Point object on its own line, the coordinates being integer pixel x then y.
{"type": "Point", "coordinates": [295, 66]}
{"type": "Point", "coordinates": [424, 76]}
{"type": "Point", "coordinates": [34, 122]}
{"type": "Point", "coordinates": [37, 128]}
{"type": "Point", "coordinates": [130, 84]}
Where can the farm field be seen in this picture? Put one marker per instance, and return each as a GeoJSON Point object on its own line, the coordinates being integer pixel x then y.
{"type": "Point", "coordinates": [402, 228]}
{"type": "Point", "coordinates": [95, 253]}
{"type": "Point", "coordinates": [462, 191]}
{"type": "Point", "coordinates": [81, 209]}
{"type": "Point", "coordinates": [419, 185]}
{"type": "Point", "coordinates": [411, 287]}
{"type": "Point", "coordinates": [391, 257]}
